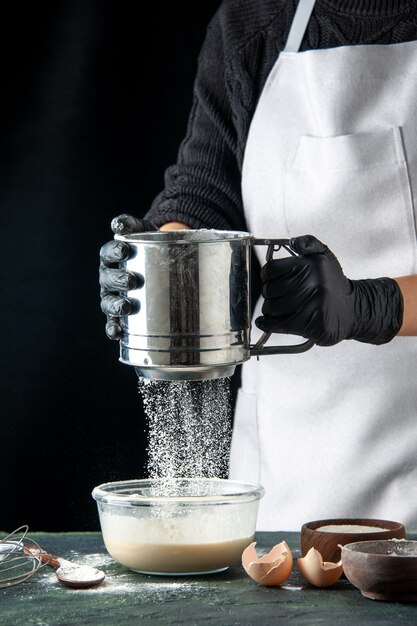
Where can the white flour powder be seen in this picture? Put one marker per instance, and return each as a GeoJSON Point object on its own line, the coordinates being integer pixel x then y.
{"type": "Point", "coordinates": [351, 528]}
{"type": "Point", "coordinates": [189, 427]}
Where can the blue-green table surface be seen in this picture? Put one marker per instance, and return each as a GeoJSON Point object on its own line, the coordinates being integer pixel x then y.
{"type": "Point", "coordinates": [230, 597]}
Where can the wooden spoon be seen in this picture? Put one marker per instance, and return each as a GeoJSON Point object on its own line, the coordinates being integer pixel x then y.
{"type": "Point", "coordinates": [69, 573]}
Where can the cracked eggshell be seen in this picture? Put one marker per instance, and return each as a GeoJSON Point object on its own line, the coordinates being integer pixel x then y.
{"type": "Point", "coordinates": [272, 568]}
{"type": "Point", "coordinates": [318, 572]}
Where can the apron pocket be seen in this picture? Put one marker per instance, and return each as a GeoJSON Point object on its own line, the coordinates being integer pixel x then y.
{"type": "Point", "coordinates": [244, 455]}
{"type": "Point", "coordinates": [353, 193]}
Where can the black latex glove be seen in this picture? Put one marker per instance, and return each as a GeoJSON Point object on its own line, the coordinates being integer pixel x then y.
{"type": "Point", "coordinates": [113, 280]}
{"type": "Point", "coordinates": [308, 295]}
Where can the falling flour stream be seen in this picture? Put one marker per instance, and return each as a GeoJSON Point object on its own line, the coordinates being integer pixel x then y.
{"type": "Point", "coordinates": [189, 427]}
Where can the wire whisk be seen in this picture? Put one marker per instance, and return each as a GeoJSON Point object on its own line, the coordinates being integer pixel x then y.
{"type": "Point", "coordinates": [17, 563]}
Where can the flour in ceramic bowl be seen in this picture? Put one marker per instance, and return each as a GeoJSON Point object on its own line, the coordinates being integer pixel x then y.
{"type": "Point", "coordinates": [351, 528]}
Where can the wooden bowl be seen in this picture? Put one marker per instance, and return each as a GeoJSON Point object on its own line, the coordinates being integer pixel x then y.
{"type": "Point", "coordinates": [327, 542]}
{"type": "Point", "coordinates": [382, 570]}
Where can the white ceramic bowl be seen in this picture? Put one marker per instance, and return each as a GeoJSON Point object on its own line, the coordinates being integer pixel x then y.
{"type": "Point", "coordinates": [177, 526]}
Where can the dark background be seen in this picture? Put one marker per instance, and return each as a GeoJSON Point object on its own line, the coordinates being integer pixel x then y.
{"type": "Point", "coordinates": [94, 100]}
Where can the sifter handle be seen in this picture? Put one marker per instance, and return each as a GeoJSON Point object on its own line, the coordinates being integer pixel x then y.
{"type": "Point", "coordinates": [258, 349]}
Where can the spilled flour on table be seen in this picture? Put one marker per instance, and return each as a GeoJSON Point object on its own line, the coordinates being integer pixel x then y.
{"type": "Point", "coordinates": [124, 582]}
{"type": "Point", "coordinates": [120, 582]}
{"type": "Point", "coordinates": [189, 427]}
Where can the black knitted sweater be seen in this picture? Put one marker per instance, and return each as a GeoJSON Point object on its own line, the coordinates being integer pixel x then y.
{"type": "Point", "coordinates": [243, 41]}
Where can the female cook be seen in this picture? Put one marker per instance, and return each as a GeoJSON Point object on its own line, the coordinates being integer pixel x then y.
{"type": "Point", "coordinates": [305, 121]}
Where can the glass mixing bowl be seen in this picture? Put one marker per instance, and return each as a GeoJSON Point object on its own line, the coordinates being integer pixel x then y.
{"type": "Point", "coordinates": [177, 526]}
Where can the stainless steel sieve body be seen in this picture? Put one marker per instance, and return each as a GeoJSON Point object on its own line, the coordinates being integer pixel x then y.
{"type": "Point", "coordinates": [193, 320]}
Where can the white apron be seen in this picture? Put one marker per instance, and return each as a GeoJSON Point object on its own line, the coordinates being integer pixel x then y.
{"type": "Point", "coordinates": [332, 152]}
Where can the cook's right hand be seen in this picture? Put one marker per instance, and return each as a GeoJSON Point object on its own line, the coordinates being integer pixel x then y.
{"type": "Point", "coordinates": [113, 279]}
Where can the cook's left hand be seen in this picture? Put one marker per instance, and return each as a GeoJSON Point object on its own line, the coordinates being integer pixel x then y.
{"type": "Point", "coordinates": [309, 295]}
